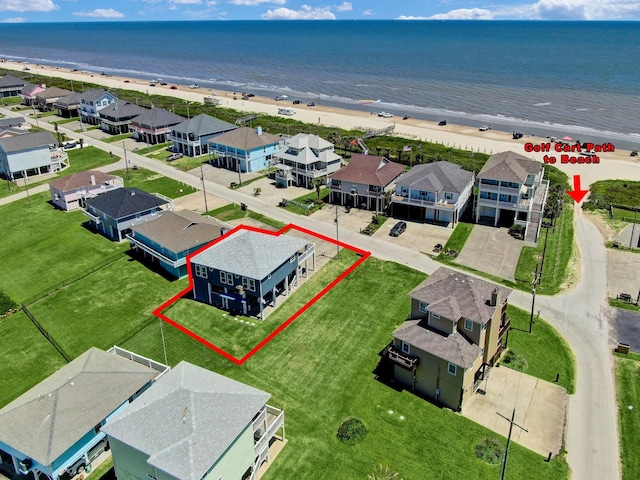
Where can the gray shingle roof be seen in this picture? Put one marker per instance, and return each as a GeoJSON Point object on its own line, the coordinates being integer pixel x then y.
{"type": "Point", "coordinates": [245, 138]}
{"type": "Point", "coordinates": [455, 295]}
{"type": "Point", "coordinates": [8, 81]}
{"type": "Point", "coordinates": [93, 95]}
{"type": "Point", "coordinates": [509, 167]}
{"type": "Point", "coordinates": [27, 141]}
{"type": "Point", "coordinates": [48, 419]}
{"type": "Point", "coordinates": [157, 117]}
{"type": "Point", "coordinates": [436, 177]}
{"type": "Point", "coordinates": [249, 254]}
{"type": "Point", "coordinates": [369, 170]}
{"type": "Point", "coordinates": [187, 420]}
{"type": "Point", "coordinates": [122, 109]}
{"type": "Point", "coordinates": [454, 348]}
{"type": "Point", "coordinates": [204, 124]}
{"type": "Point", "coordinates": [73, 99]}
{"type": "Point", "coordinates": [123, 202]}
{"type": "Point", "coordinates": [80, 179]}
{"type": "Point", "coordinates": [53, 92]}
{"type": "Point", "coordinates": [179, 231]}
{"type": "Point", "coordinates": [307, 146]}
{"type": "Point", "coordinates": [12, 121]}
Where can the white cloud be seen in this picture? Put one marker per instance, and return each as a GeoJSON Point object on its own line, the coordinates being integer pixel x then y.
{"type": "Point", "coordinates": [100, 13]}
{"type": "Point", "coordinates": [305, 13]}
{"type": "Point", "coordinates": [27, 5]}
{"type": "Point", "coordinates": [14, 20]}
{"type": "Point", "coordinates": [345, 7]}
{"type": "Point", "coordinates": [581, 9]}
{"type": "Point", "coordinates": [253, 3]}
{"type": "Point", "coordinates": [211, 3]}
{"type": "Point", "coordinates": [186, 2]}
{"type": "Point", "coordinates": [368, 12]}
{"type": "Point", "coordinates": [458, 14]}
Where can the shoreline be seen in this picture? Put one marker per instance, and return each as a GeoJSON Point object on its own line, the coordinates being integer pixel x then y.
{"type": "Point", "coordinates": [414, 129]}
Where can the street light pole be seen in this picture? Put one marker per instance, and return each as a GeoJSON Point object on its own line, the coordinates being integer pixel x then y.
{"type": "Point", "coordinates": [337, 239]}
{"type": "Point", "coordinates": [206, 207]}
{"type": "Point", "coordinates": [126, 162]}
{"type": "Point", "coordinates": [506, 450]}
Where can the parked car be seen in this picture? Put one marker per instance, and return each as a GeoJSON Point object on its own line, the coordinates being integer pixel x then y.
{"type": "Point", "coordinates": [173, 157]}
{"type": "Point", "coordinates": [484, 128]}
{"type": "Point", "coordinates": [385, 114]}
{"type": "Point", "coordinates": [398, 228]}
{"type": "Point", "coordinates": [297, 102]}
{"type": "Point", "coordinates": [280, 97]}
{"type": "Point", "coordinates": [517, 135]}
{"type": "Point", "coordinates": [311, 104]}
{"type": "Point", "coordinates": [174, 87]}
{"type": "Point", "coordinates": [194, 85]}
{"type": "Point", "coordinates": [442, 123]}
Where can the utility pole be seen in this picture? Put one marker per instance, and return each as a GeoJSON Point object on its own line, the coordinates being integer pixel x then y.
{"type": "Point", "coordinates": [206, 207]}
{"type": "Point", "coordinates": [126, 162]}
{"type": "Point", "coordinates": [633, 228]}
{"type": "Point", "coordinates": [506, 450]}
{"type": "Point", "coordinates": [337, 240]}
{"type": "Point", "coordinates": [535, 282]}
{"type": "Point", "coordinates": [544, 249]}
{"type": "Point", "coordinates": [27, 188]}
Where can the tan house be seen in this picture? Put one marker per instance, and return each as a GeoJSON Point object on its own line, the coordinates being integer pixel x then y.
{"type": "Point", "coordinates": [456, 331]}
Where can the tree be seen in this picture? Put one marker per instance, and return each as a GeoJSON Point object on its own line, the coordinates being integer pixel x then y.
{"type": "Point", "coordinates": [56, 128]}
{"type": "Point", "coordinates": [81, 142]}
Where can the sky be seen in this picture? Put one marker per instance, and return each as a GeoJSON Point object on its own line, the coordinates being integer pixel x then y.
{"type": "Point", "coordinates": [28, 11]}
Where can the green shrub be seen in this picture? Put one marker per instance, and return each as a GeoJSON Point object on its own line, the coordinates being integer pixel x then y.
{"type": "Point", "coordinates": [512, 360]}
{"type": "Point", "coordinates": [490, 451]}
{"type": "Point", "coordinates": [352, 431]}
{"type": "Point", "coordinates": [6, 303]}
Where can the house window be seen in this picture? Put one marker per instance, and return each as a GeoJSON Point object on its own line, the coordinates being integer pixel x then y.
{"type": "Point", "coordinates": [292, 259]}
{"type": "Point", "coordinates": [435, 315]}
{"type": "Point", "coordinates": [406, 348]}
{"type": "Point", "coordinates": [423, 307]}
{"type": "Point", "coordinates": [201, 271]}
{"type": "Point", "coordinates": [468, 325]}
{"type": "Point", "coordinates": [223, 277]}
{"type": "Point", "coordinates": [452, 369]}
{"type": "Point", "coordinates": [448, 196]}
{"type": "Point", "coordinates": [229, 279]}
{"type": "Point", "coordinates": [249, 284]}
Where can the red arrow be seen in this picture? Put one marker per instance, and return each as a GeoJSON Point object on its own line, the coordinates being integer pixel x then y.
{"type": "Point", "coordinates": [577, 194]}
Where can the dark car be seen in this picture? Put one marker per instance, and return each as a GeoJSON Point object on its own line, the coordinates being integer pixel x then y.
{"type": "Point", "coordinates": [297, 102]}
{"type": "Point", "coordinates": [311, 104]}
{"type": "Point", "coordinates": [398, 228]}
{"type": "Point", "coordinates": [442, 123]}
{"type": "Point", "coordinates": [517, 135]}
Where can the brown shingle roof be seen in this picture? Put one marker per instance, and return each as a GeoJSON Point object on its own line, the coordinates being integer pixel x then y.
{"type": "Point", "coordinates": [80, 179]}
{"type": "Point", "coordinates": [369, 170]}
{"type": "Point", "coordinates": [246, 139]}
{"type": "Point", "coordinates": [510, 167]}
{"type": "Point", "coordinates": [454, 348]}
{"type": "Point", "coordinates": [456, 295]}
{"type": "Point", "coordinates": [179, 231]}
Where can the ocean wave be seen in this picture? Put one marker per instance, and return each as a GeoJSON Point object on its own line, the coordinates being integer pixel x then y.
{"type": "Point", "coordinates": [542, 104]}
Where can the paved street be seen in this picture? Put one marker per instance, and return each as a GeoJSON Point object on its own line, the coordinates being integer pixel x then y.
{"type": "Point", "coordinates": [581, 315]}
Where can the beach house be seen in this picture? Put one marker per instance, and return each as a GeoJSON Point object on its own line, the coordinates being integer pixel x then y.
{"type": "Point", "coordinates": [168, 239]}
{"type": "Point", "coordinates": [512, 190]}
{"type": "Point", "coordinates": [116, 117]}
{"type": "Point", "coordinates": [364, 181]}
{"type": "Point", "coordinates": [195, 424]}
{"type": "Point", "coordinates": [154, 125]}
{"type": "Point", "coordinates": [68, 105]}
{"type": "Point", "coordinates": [115, 212]}
{"type": "Point", "coordinates": [244, 149]}
{"type": "Point", "coordinates": [436, 192]}
{"type": "Point", "coordinates": [29, 92]}
{"type": "Point", "coordinates": [192, 136]}
{"type": "Point", "coordinates": [30, 154]}
{"type": "Point", "coordinates": [55, 428]}
{"type": "Point", "coordinates": [47, 99]}
{"type": "Point", "coordinates": [11, 86]}
{"type": "Point", "coordinates": [306, 159]}
{"type": "Point", "coordinates": [457, 329]}
{"type": "Point", "coordinates": [91, 102]}
{"type": "Point", "coordinates": [245, 271]}
{"type": "Point", "coordinates": [70, 192]}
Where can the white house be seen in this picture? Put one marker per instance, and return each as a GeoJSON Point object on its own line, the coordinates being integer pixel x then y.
{"type": "Point", "coordinates": [30, 154]}
{"type": "Point", "coordinates": [305, 158]}
{"type": "Point", "coordinates": [91, 102]}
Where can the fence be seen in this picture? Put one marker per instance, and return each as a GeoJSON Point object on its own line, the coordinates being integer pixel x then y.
{"type": "Point", "coordinates": [46, 334]}
{"type": "Point", "coordinates": [68, 281]}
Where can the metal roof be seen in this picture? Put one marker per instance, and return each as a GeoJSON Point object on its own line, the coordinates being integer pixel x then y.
{"type": "Point", "coordinates": [187, 420]}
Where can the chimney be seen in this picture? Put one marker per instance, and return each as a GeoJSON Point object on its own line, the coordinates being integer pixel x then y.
{"type": "Point", "coordinates": [259, 130]}
{"type": "Point", "coordinates": [92, 179]}
{"type": "Point", "coordinates": [494, 297]}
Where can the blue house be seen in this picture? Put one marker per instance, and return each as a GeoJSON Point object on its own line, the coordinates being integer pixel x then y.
{"type": "Point", "coordinates": [171, 236]}
{"type": "Point", "coordinates": [55, 428]}
{"type": "Point", "coordinates": [114, 213]}
{"type": "Point", "coordinates": [91, 102]}
{"type": "Point", "coordinates": [246, 270]}
{"type": "Point", "coordinates": [244, 149]}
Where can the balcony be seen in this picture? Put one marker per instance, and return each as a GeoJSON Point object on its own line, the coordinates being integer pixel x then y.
{"type": "Point", "coordinates": [265, 426]}
{"type": "Point", "coordinates": [504, 327]}
{"type": "Point", "coordinates": [404, 360]}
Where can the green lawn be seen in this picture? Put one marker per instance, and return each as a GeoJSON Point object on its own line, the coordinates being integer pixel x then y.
{"type": "Point", "coordinates": [27, 357]}
{"type": "Point", "coordinates": [232, 211]}
{"type": "Point", "coordinates": [319, 369]}
{"type": "Point", "coordinates": [456, 241]}
{"type": "Point", "coordinates": [102, 308]}
{"type": "Point", "coordinates": [544, 353]}
{"type": "Point", "coordinates": [153, 182]}
{"type": "Point", "coordinates": [42, 246]}
{"type": "Point", "coordinates": [117, 138]}
{"type": "Point", "coordinates": [559, 250]}
{"type": "Point", "coordinates": [628, 386]}
{"type": "Point", "coordinates": [310, 198]}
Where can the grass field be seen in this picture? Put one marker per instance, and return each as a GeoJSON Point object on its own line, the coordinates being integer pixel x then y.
{"type": "Point", "coordinates": [456, 241]}
{"type": "Point", "coordinates": [153, 182]}
{"type": "Point", "coordinates": [42, 246]}
{"type": "Point", "coordinates": [558, 253]}
{"type": "Point", "coordinates": [628, 383]}
{"type": "Point", "coordinates": [232, 211]}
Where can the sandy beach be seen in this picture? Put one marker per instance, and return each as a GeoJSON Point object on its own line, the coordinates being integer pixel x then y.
{"type": "Point", "coordinates": [613, 164]}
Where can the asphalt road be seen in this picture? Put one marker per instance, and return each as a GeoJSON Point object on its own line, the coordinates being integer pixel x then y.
{"type": "Point", "coordinates": [581, 315]}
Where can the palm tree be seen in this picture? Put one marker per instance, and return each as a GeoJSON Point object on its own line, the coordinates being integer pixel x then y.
{"type": "Point", "coordinates": [56, 128]}
{"type": "Point", "coordinates": [383, 472]}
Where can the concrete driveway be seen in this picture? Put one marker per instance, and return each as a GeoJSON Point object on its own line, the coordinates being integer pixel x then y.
{"type": "Point", "coordinates": [492, 250]}
{"type": "Point", "coordinates": [623, 273]}
{"type": "Point", "coordinates": [540, 408]}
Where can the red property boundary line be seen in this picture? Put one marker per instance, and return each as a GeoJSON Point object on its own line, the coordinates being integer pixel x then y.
{"type": "Point", "coordinates": [239, 361]}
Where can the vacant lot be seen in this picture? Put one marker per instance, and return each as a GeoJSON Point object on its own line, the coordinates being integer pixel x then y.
{"type": "Point", "coordinates": [628, 382]}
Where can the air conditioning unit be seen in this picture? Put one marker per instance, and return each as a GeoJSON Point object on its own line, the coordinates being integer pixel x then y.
{"type": "Point", "coordinates": [25, 466]}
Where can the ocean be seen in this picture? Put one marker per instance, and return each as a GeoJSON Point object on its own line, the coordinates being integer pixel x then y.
{"type": "Point", "coordinates": [544, 78]}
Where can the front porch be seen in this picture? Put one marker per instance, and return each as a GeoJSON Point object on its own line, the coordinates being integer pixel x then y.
{"type": "Point", "coordinates": [269, 439]}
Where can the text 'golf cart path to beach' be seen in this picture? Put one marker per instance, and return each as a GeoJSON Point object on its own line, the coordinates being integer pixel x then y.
{"type": "Point", "coordinates": [587, 152]}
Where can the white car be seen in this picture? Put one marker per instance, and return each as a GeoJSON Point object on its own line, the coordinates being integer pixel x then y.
{"type": "Point", "coordinates": [194, 85]}
{"type": "Point", "coordinates": [385, 114]}
{"type": "Point", "coordinates": [484, 128]}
